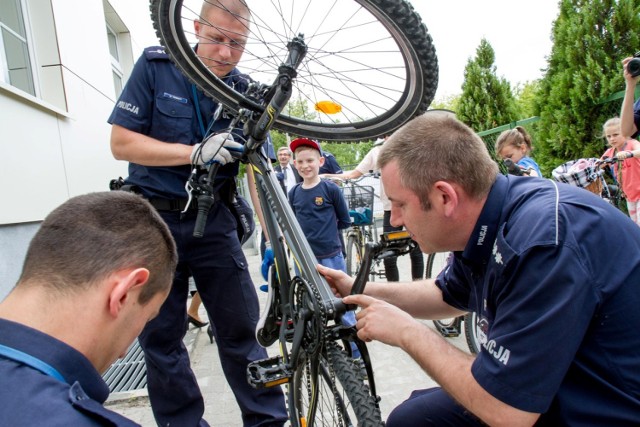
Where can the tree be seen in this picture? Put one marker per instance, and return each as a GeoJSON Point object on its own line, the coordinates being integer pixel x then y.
{"type": "Point", "coordinates": [590, 40]}
{"type": "Point", "coordinates": [525, 95]}
{"type": "Point", "coordinates": [486, 101]}
{"type": "Point", "coordinates": [447, 103]}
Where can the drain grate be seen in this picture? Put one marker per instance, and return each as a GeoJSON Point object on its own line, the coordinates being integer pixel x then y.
{"type": "Point", "coordinates": [128, 373]}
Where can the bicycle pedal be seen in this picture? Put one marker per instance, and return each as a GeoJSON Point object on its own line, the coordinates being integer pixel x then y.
{"type": "Point", "coordinates": [268, 373]}
{"type": "Point", "coordinates": [450, 332]}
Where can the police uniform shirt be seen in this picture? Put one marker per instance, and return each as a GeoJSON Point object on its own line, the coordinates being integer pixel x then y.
{"type": "Point", "coordinates": [159, 101]}
{"type": "Point", "coordinates": [554, 316]}
{"type": "Point", "coordinates": [29, 397]}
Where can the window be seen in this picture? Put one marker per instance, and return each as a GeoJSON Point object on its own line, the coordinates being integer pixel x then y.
{"type": "Point", "coordinates": [15, 61]}
{"type": "Point", "coordinates": [116, 66]}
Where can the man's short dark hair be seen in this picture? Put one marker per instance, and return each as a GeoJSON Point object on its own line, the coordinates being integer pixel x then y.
{"type": "Point", "coordinates": [91, 236]}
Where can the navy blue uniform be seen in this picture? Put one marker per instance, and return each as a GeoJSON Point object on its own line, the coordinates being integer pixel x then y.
{"type": "Point", "coordinates": [45, 382]}
{"type": "Point", "coordinates": [158, 101]}
{"type": "Point", "coordinates": [330, 164]}
{"type": "Point", "coordinates": [558, 319]}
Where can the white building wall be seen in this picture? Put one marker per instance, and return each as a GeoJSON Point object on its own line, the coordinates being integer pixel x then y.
{"type": "Point", "coordinates": [50, 152]}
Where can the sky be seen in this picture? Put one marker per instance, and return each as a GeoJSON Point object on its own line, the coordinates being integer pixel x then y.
{"type": "Point", "coordinates": [519, 32]}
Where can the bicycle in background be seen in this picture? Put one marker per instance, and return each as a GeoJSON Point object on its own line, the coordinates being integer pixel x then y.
{"type": "Point", "coordinates": [453, 327]}
{"type": "Point", "coordinates": [360, 201]}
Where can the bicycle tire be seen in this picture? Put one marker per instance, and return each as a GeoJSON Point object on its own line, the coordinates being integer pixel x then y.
{"type": "Point", "coordinates": [436, 263]}
{"type": "Point", "coordinates": [471, 332]}
{"type": "Point", "coordinates": [343, 397]}
{"type": "Point", "coordinates": [450, 327]}
{"type": "Point", "coordinates": [392, 78]}
{"type": "Point", "coordinates": [354, 255]}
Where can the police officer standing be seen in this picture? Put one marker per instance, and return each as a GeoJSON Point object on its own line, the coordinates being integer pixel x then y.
{"type": "Point", "coordinates": [159, 124]}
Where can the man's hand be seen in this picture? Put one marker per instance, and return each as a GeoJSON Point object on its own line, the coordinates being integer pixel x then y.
{"type": "Point", "coordinates": [339, 281]}
{"type": "Point", "coordinates": [378, 320]}
{"type": "Point", "coordinates": [218, 148]}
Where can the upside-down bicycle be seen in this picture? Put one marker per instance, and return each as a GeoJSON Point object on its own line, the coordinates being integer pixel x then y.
{"type": "Point", "coordinates": [367, 67]}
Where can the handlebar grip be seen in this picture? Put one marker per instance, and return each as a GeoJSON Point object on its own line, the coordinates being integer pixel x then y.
{"type": "Point", "coordinates": [205, 202]}
{"type": "Point", "coordinates": [512, 168]}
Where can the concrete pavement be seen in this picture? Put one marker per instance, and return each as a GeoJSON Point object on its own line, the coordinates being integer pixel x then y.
{"type": "Point", "coordinates": [396, 373]}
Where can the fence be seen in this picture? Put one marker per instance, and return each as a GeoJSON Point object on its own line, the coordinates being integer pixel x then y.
{"type": "Point", "coordinates": [610, 107]}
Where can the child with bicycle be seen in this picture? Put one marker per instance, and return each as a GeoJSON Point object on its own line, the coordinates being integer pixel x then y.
{"type": "Point", "coordinates": [627, 169]}
{"type": "Point", "coordinates": [515, 145]}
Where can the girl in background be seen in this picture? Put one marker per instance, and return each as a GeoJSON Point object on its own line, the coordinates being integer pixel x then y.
{"type": "Point", "coordinates": [515, 144]}
{"type": "Point", "coordinates": [627, 170]}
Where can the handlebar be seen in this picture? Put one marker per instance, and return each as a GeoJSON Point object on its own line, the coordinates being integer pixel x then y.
{"type": "Point", "coordinates": [515, 169]}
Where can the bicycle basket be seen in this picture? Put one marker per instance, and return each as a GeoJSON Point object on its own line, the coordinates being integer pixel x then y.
{"type": "Point", "coordinates": [583, 173]}
{"type": "Point", "coordinates": [360, 202]}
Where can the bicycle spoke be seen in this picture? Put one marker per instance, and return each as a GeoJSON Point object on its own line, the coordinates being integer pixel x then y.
{"type": "Point", "coordinates": [369, 66]}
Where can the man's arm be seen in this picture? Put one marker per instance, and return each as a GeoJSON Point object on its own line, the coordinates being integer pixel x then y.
{"type": "Point", "coordinates": [627, 120]}
{"type": "Point", "coordinates": [144, 150]}
{"type": "Point", "coordinates": [446, 364]}
{"type": "Point", "coordinates": [352, 174]}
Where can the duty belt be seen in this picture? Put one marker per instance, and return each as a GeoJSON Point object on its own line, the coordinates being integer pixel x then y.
{"type": "Point", "coordinates": [177, 204]}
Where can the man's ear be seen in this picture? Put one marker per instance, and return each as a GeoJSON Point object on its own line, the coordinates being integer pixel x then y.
{"type": "Point", "coordinates": [125, 284]}
{"type": "Point", "coordinates": [446, 198]}
{"type": "Point", "coordinates": [321, 160]}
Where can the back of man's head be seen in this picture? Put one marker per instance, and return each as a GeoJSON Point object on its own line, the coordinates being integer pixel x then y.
{"type": "Point", "coordinates": [91, 236]}
{"type": "Point", "coordinates": [435, 146]}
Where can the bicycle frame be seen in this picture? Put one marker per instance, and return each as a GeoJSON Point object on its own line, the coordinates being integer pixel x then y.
{"type": "Point", "coordinates": [296, 324]}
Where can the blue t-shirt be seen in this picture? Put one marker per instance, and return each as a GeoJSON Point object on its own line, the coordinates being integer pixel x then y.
{"type": "Point", "coordinates": [322, 212]}
{"type": "Point", "coordinates": [29, 397]}
{"type": "Point", "coordinates": [159, 101]}
{"type": "Point", "coordinates": [527, 162]}
{"type": "Point", "coordinates": [553, 273]}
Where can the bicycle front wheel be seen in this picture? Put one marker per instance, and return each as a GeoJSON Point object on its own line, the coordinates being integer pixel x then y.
{"type": "Point", "coordinates": [370, 65]}
{"type": "Point", "coordinates": [331, 392]}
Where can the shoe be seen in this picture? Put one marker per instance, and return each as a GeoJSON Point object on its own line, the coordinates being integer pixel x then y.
{"type": "Point", "coordinates": [195, 322]}
{"type": "Point", "coordinates": [210, 333]}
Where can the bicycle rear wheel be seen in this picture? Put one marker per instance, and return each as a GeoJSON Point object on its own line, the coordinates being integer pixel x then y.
{"type": "Point", "coordinates": [335, 383]}
{"type": "Point", "coordinates": [471, 332]}
{"type": "Point", "coordinates": [374, 59]}
{"type": "Point", "coordinates": [436, 262]}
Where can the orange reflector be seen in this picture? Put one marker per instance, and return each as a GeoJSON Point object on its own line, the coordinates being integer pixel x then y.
{"type": "Point", "coordinates": [397, 235]}
{"type": "Point", "coordinates": [328, 107]}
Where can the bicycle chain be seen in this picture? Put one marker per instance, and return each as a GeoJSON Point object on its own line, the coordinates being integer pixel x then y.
{"type": "Point", "coordinates": [301, 287]}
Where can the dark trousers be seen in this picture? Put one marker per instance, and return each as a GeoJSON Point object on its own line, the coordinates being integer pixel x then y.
{"type": "Point", "coordinates": [431, 407]}
{"type": "Point", "coordinates": [391, 263]}
{"type": "Point", "coordinates": [220, 271]}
